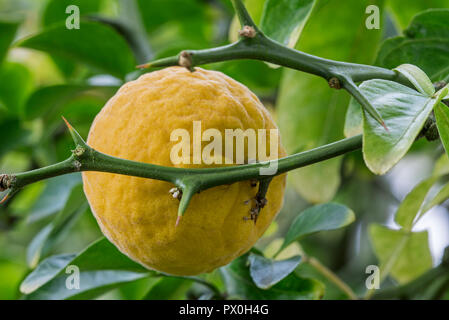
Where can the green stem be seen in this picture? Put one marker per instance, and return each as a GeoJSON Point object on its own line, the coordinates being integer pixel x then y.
{"type": "Point", "coordinates": [189, 181]}
{"type": "Point", "coordinates": [332, 277]}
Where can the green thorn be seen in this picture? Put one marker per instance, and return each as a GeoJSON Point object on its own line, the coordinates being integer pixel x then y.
{"type": "Point", "coordinates": [75, 135]}
{"type": "Point", "coordinates": [354, 90]}
{"type": "Point", "coordinates": [187, 194]}
{"type": "Point", "coordinates": [243, 15]}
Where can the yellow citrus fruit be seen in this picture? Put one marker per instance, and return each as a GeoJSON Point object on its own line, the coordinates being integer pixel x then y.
{"type": "Point", "coordinates": [138, 215]}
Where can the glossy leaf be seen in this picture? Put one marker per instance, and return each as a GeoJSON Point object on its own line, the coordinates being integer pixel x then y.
{"type": "Point", "coordinates": [354, 119]}
{"type": "Point", "coordinates": [417, 77]}
{"type": "Point", "coordinates": [309, 113]}
{"type": "Point", "coordinates": [45, 271]}
{"type": "Point", "coordinates": [406, 253]}
{"type": "Point", "coordinates": [283, 20]}
{"type": "Point", "coordinates": [404, 111]}
{"type": "Point", "coordinates": [410, 208]}
{"type": "Point", "coordinates": [328, 216]}
{"type": "Point", "coordinates": [54, 196]}
{"type": "Point", "coordinates": [425, 44]}
{"type": "Point", "coordinates": [267, 272]}
{"type": "Point", "coordinates": [64, 220]}
{"type": "Point", "coordinates": [102, 267]}
{"type": "Point", "coordinates": [112, 56]}
{"type": "Point", "coordinates": [239, 284]}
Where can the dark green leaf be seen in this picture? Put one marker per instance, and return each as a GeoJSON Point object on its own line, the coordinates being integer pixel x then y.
{"type": "Point", "coordinates": [8, 29]}
{"type": "Point", "coordinates": [267, 272]}
{"type": "Point", "coordinates": [54, 196]}
{"type": "Point", "coordinates": [49, 100]}
{"type": "Point", "coordinates": [101, 268]}
{"type": "Point", "coordinates": [112, 56]}
{"type": "Point", "coordinates": [55, 11]}
{"type": "Point", "coordinates": [13, 135]}
{"type": "Point", "coordinates": [425, 44]}
{"type": "Point", "coordinates": [239, 284]}
{"type": "Point", "coordinates": [16, 83]}
{"type": "Point", "coordinates": [327, 216]}
{"type": "Point", "coordinates": [405, 10]}
{"type": "Point", "coordinates": [169, 288]}
{"type": "Point", "coordinates": [283, 20]}
{"type": "Point", "coordinates": [404, 111]}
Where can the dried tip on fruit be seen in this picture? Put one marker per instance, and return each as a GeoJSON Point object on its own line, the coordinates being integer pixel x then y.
{"type": "Point", "coordinates": [178, 220]}
{"type": "Point", "coordinates": [4, 199]}
{"type": "Point", "coordinates": [247, 32]}
{"type": "Point", "coordinates": [69, 126]}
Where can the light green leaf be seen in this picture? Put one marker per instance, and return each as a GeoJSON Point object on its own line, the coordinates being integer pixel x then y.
{"type": "Point", "coordinates": [405, 255]}
{"type": "Point", "coordinates": [404, 111]}
{"type": "Point", "coordinates": [267, 272]}
{"type": "Point", "coordinates": [112, 56]}
{"type": "Point", "coordinates": [425, 44]}
{"type": "Point", "coordinates": [442, 120]}
{"type": "Point", "coordinates": [417, 77]}
{"type": "Point", "coordinates": [239, 284]}
{"type": "Point", "coordinates": [64, 220]}
{"type": "Point", "coordinates": [54, 196]}
{"type": "Point", "coordinates": [410, 208]}
{"type": "Point", "coordinates": [404, 10]}
{"type": "Point", "coordinates": [327, 216]}
{"type": "Point", "coordinates": [45, 271]}
{"type": "Point", "coordinates": [283, 20]}
{"type": "Point", "coordinates": [354, 119]}
{"type": "Point", "coordinates": [311, 114]}
{"type": "Point", "coordinates": [440, 197]}
{"type": "Point", "coordinates": [101, 268]}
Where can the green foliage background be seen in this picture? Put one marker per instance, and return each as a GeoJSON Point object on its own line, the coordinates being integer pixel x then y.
{"type": "Point", "coordinates": [47, 71]}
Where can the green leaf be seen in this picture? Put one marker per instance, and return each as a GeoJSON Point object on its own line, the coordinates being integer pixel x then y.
{"type": "Point", "coordinates": [440, 197]}
{"type": "Point", "coordinates": [404, 10]}
{"type": "Point", "coordinates": [48, 101]}
{"type": "Point", "coordinates": [410, 208]}
{"type": "Point", "coordinates": [354, 119]}
{"type": "Point", "coordinates": [283, 20]}
{"type": "Point", "coordinates": [267, 272]}
{"type": "Point", "coordinates": [101, 268]}
{"type": "Point", "coordinates": [417, 77]}
{"type": "Point", "coordinates": [55, 11]}
{"type": "Point", "coordinates": [169, 288]}
{"type": "Point", "coordinates": [45, 271]}
{"type": "Point", "coordinates": [54, 196]}
{"type": "Point", "coordinates": [16, 84]}
{"type": "Point", "coordinates": [64, 220]}
{"type": "Point", "coordinates": [404, 111]}
{"type": "Point", "coordinates": [13, 135]}
{"type": "Point", "coordinates": [403, 254]}
{"type": "Point", "coordinates": [425, 44]}
{"type": "Point", "coordinates": [442, 120]}
{"type": "Point", "coordinates": [112, 56]}
{"type": "Point", "coordinates": [327, 216]}
{"type": "Point", "coordinates": [239, 284]}
{"type": "Point", "coordinates": [311, 114]}
{"type": "Point", "coordinates": [8, 29]}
